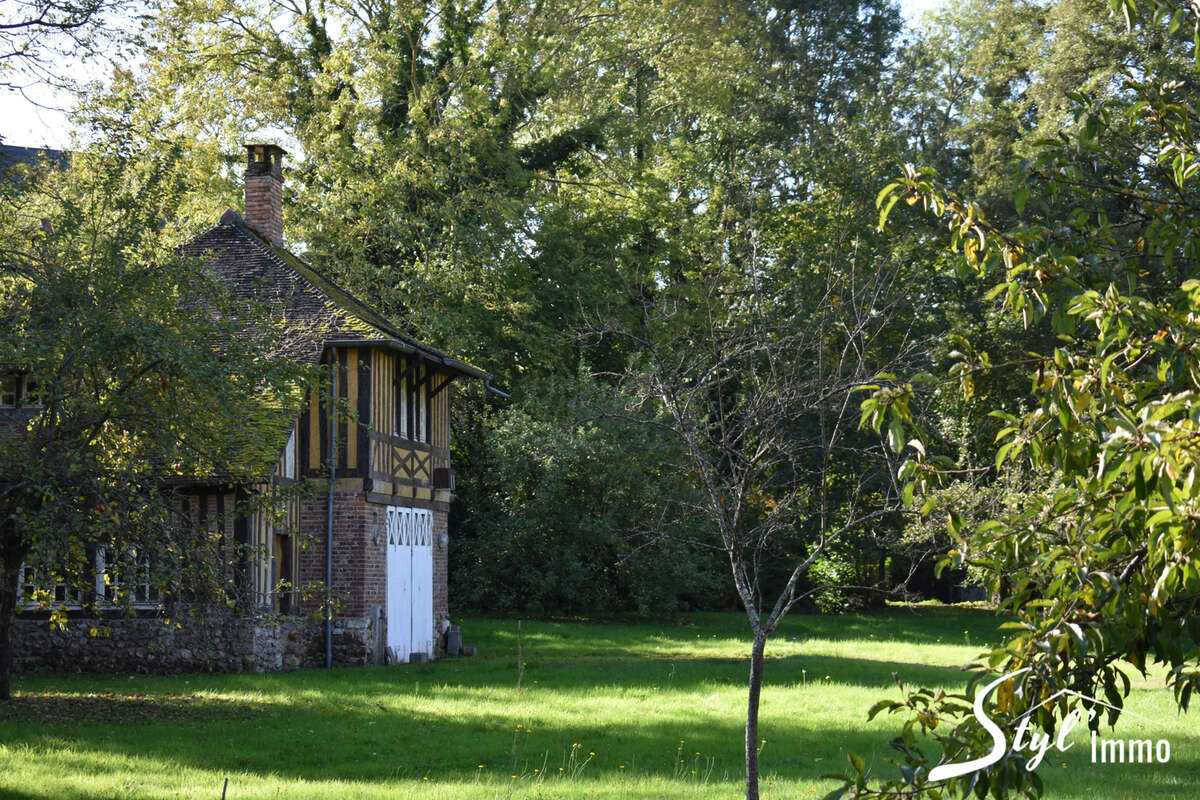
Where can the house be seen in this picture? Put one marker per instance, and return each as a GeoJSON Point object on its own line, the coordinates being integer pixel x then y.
{"type": "Point", "coordinates": [371, 538]}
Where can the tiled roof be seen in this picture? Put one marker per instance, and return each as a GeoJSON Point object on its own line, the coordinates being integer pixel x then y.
{"type": "Point", "coordinates": [13, 154]}
{"type": "Point", "coordinates": [257, 272]}
{"type": "Point", "coordinates": [12, 158]}
{"type": "Point", "coordinates": [318, 312]}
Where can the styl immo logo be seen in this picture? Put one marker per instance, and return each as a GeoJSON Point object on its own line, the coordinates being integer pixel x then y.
{"type": "Point", "coordinates": [1104, 751]}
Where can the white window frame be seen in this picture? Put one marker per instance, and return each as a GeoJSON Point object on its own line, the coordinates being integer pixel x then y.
{"type": "Point", "coordinates": [144, 594]}
{"type": "Point", "coordinates": [15, 392]}
{"type": "Point", "coordinates": [419, 418]}
{"type": "Point", "coordinates": [402, 409]}
{"type": "Point", "coordinates": [289, 456]}
{"type": "Point", "coordinates": [60, 593]}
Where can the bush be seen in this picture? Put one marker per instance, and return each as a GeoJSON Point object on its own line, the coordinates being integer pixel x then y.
{"type": "Point", "coordinates": [567, 512]}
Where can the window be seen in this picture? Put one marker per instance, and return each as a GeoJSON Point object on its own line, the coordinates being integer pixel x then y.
{"type": "Point", "coordinates": [420, 418]}
{"type": "Point", "coordinates": [130, 575]}
{"type": "Point", "coordinates": [31, 397]}
{"type": "Point", "coordinates": [412, 430]}
{"type": "Point", "coordinates": [411, 413]}
{"type": "Point", "coordinates": [35, 590]}
{"type": "Point", "coordinates": [10, 388]}
{"type": "Point", "coordinates": [289, 456]}
{"type": "Point", "coordinates": [283, 574]}
{"type": "Point", "coordinates": [19, 390]}
{"type": "Point", "coordinates": [400, 428]}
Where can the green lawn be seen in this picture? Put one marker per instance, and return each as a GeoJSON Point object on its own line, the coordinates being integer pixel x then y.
{"type": "Point", "coordinates": [606, 711]}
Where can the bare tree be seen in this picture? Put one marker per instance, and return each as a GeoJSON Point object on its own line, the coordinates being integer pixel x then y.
{"type": "Point", "coordinates": [760, 387]}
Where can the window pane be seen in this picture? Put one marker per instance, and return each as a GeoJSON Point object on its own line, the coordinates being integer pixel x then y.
{"type": "Point", "coordinates": [32, 395]}
{"type": "Point", "coordinates": [8, 391]}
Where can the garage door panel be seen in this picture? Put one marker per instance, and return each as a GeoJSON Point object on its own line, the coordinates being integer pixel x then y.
{"type": "Point", "coordinates": [409, 582]}
{"type": "Point", "coordinates": [422, 596]}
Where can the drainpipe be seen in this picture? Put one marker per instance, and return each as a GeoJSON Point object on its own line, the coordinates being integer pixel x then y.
{"type": "Point", "coordinates": [333, 453]}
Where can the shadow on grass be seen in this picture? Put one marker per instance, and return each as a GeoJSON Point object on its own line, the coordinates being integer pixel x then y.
{"type": "Point", "coordinates": [315, 744]}
{"type": "Point", "coordinates": [350, 731]}
{"type": "Point", "coordinates": [458, 721]}
{"type": "Point", "coordinates": [51, 708]}
{"type": "Point", "coordinates": [16, 794]}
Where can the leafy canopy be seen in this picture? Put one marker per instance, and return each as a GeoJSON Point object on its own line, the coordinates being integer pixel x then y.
{"type": "Point", "coordinates": [1100, 567]}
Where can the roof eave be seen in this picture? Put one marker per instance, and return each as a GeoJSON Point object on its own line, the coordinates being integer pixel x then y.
{"type": "Point", "coordinates": [399, 346]}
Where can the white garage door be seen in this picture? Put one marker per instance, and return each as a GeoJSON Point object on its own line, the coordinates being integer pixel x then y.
{"type": "Point", "coordinates": [409, 582]}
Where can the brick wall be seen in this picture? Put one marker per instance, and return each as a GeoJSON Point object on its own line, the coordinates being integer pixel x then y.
{"type": "Point", "coordinates": [264, 206]}
{"type": "Point", "coordinates": [359, 579]}
{"type": "Point", "coordinates": [359, 566]}
{"type": "Point", "coordinates": [441, 598]}
{"type": "Point", "coordinates": [360, 569]}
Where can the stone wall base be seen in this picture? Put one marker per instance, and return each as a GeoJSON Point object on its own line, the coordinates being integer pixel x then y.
{"type": "Point", "coordinates": [212, 642]}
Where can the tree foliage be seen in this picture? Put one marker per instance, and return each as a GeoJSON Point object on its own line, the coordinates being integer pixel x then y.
{"type": "Point", "coordinates": [496, 175]}
{"type": "Point", "coordinates": [139, 371]}
{"type": "Point", "coordinates": [1101, 564]}
{"type": "Point", "coordinates": [563, 521]}
{"type": "Point", "coordinates": [36, 34]}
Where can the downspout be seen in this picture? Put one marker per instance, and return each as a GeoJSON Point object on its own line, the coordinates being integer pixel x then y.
{"type": "Point", "coordinates": [333, 454]}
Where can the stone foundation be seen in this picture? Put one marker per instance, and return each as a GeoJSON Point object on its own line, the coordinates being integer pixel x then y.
{"type": "Point", "coordinates": [354, 642]}
{"type": "Point", "coordinates": [214, 643]}
{"type": "Point", "coordinates": [220, 641]}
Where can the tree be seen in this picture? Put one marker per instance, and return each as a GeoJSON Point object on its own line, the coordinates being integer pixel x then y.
{"type": "Point", "coordinates": [491, 174]}
{"type": "Point", "coordinates": [135, 369]}
{"type": "Point", "coordinates": [33, 32]}
{"type": "Point", "coordinates": [753, 340]}
{"type": "Point", "coordinates": [1101, 563]}
{"type": "Point", "coordinates": [761, 405]}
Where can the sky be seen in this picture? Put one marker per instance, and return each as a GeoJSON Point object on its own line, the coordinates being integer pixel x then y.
{"type": "Point", "coordinates": [35, 116]}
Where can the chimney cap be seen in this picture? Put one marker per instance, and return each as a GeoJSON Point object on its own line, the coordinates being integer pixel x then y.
{"type": "Point", "coordinates": [263, 158]}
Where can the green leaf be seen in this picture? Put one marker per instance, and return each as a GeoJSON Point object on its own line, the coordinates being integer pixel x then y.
{"type": "Point", "coordinates": [928, 507]}
{"type": "Point", "coordinates": [884, 192]}
{"type": "Point", "coordinates": [887, 209]}
{"type": "Point", "coordinates": [882, 705]}
{"type": "Point", "coordinates": [1019, 198]}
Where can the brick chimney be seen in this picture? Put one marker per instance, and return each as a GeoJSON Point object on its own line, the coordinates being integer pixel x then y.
{"type": "Point", "coordinates": [264, 191]}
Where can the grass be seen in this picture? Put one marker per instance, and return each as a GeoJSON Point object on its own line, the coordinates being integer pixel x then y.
{"type": "Point", "coordinates": [605, 711]}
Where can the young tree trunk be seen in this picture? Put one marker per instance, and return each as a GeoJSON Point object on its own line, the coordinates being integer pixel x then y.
{"type": "Point", "coordinates": [756, 676]}
{"type": "Point", "coordinates": [9, 573]}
